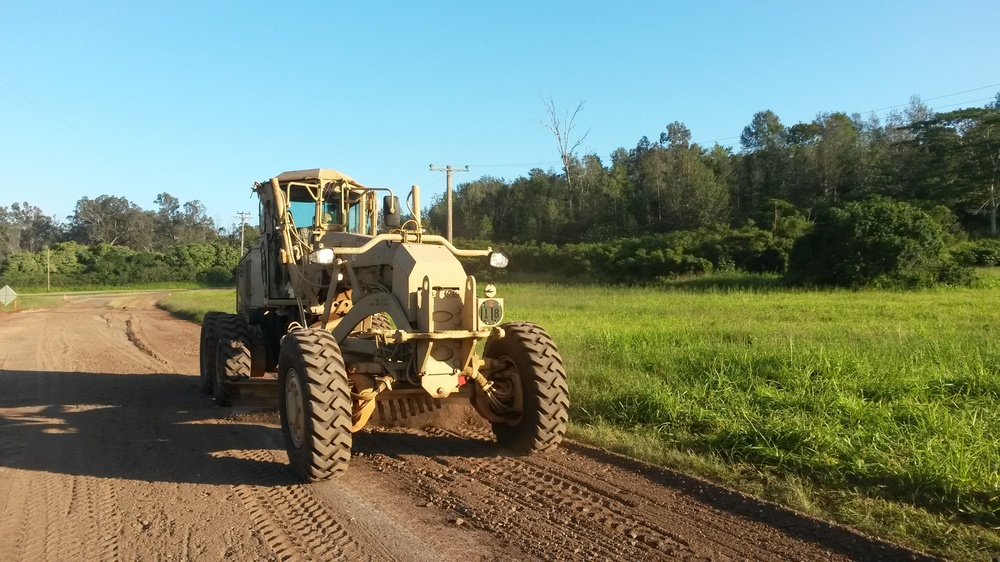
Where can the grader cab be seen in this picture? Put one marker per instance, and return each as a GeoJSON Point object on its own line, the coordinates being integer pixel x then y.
{"type": "Point", "coordinates": [356, 310]}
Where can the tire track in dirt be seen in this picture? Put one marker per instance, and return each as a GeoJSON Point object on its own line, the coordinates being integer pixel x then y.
{"type": "Point", "coordinates": [574, 503]}
{"type": "Point", "coordinates": [65, 518]}
{"type": "Point", "coordinates": [295, 524]}
{"type": "Point", "coordinates": [94, 502]}
{"type": "Point", "coordinates": [484, 494]}
{"type": "Point", "coordinates": [560, 518]}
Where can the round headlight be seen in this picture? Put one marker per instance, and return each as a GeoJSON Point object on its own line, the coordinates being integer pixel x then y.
{"type": "Point", "coordinates": [323, 256]}
{"type": "Point", "coordinates": [498, 260]}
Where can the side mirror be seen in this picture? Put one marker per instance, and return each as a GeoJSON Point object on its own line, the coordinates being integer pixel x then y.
{"type": "Point", "coordinates": [390, 211]}
{"type": "Point", "coordinates": [498, 260]}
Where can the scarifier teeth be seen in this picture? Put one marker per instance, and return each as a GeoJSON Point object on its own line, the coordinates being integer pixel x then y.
{"type": "Point", "coordinates": [395, 409]}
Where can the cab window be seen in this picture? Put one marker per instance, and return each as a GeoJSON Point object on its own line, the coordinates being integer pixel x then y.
{"type": "Point", "coordinates": [303, 213]}
{"type": "Point", "coordinates": [354, 218]}
{"type": "Point", "coordinates": [302, 206]}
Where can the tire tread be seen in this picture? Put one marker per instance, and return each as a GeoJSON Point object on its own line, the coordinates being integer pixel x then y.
{"type": "Point", "coordinates": [541, 430]}
{"type": "Point", "coordinates": [329, 436]}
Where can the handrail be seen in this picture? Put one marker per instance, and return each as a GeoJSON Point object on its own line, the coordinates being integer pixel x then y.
{"type": "Point", "coordinates": [460, 253]}
{"type": "Point", "coordinates": [355, 250]}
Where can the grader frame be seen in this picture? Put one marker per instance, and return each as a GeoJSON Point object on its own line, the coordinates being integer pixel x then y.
{"type": "Point", "coordinates": [356, 310]}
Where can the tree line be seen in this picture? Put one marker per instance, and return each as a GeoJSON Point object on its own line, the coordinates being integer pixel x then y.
{"type": "Point", "coordinates": [931, 160]}
{"type": "Point", "coordinates": [110, 240]}
{"type": "Point", "coordinates": [662, 208]}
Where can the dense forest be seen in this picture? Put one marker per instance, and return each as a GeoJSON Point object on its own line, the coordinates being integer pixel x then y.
{"type": "Point", "coordinates": [671, 184]}
{"type": "Point", "coordinates": [674, 207]}
{"type": "Point", "coordinates": [661, 208]}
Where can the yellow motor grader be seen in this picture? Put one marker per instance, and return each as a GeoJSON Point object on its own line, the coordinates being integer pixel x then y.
{"type": "Point", "coordinates": [357, 310]}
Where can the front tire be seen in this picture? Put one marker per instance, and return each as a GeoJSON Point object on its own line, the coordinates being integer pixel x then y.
{"type": "Point", "coordinates": [207, 350]}
{"type": "Point", "coordinates": [315, 404]}
{"type": "Point", "coordinates": [533, 385]}
{"type": "Point", "coordinates": [232, 355]}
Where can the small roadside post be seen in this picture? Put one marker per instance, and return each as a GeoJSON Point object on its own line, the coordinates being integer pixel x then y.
{"type": "Point", "coordinates": [7, 296]}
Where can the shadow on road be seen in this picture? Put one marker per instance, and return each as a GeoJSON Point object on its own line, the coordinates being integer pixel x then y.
{"type": "Point", "coordinates": [161, 428]}
{"type": "Point", "coordinates": [152, 427]}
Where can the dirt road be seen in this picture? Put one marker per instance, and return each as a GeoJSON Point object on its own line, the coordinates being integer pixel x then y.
{"type": "Point", "coordinates": [108, 451]}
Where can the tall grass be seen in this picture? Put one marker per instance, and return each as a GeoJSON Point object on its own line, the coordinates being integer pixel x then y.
{"type": "Point", "coordinates": [877, 409]}
{"type": "Point", "coordinates": [848, 404]}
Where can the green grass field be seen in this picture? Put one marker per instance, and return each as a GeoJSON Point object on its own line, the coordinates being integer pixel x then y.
{"type": "Point", "coordinates": [876, 409]}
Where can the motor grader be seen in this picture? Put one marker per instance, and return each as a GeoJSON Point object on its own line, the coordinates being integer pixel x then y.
{"type": "Point", "coordinates": [347, 309]}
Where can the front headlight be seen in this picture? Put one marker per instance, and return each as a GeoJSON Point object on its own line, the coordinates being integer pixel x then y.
{"type": "Point", "coordinates": [323, 256]}
{"type": "Point", "coordinates": [498, 260]}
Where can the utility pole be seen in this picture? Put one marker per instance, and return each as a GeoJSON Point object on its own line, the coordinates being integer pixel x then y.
{"type": "Point", "coordinates": [243, 221]}
{"type": "Point", "coordinates": [48, 271]}
{"type": "Point", "coordinates": [449, 171]}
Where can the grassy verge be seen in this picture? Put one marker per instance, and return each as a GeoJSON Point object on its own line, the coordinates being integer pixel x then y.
{"type": "Point", "coordinates": [87, 288]}
{"type": "Point", "coordinates": [192, 305]}
{"type": "Point", "coordinates": [39, 297]}
{"type": "Point", "coordinates": [26, 302]}
{"type": "Point", "coordinates": [875, 409]}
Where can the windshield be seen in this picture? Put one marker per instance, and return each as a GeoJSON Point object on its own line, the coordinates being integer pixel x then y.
{"type": "Point", "coordinates": [303, 212]}
{"type": "Point", "coordinates": [302, 207]}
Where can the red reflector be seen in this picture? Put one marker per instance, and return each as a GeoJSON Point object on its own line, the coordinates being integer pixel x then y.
{"type": "Point", "coordinates": [461, 380]}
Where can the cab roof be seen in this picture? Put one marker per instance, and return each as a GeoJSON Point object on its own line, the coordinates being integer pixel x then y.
{"type": "Point", "coordinates": [322, 175]}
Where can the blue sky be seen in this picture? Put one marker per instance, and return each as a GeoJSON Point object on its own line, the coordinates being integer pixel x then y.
{"type": "Point", "coordinates": [201, 99]}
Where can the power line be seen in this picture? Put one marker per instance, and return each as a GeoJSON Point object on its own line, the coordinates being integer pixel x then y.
{"type": "Point", "coordinates": [936, 98]}
{"type": "Point", "coordinates": [415, 174]}
{"type": "Point", "coordinates": [513, 165]}
{"type": "Point", "coordinates": [717, 141]}
{"type": "Point", "coordinates": [961, 103]}
{"type": "Point", "coordinates": [964, 92]}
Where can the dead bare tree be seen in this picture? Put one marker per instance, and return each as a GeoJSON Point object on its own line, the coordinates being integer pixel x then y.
{"type": "Point", "coordinates": [562, 129]}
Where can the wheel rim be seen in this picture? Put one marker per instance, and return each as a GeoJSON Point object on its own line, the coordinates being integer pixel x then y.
{"type": "Point", "coordinates": [508, 390]}
{"type": "Point", "coordinates": [294, 409]}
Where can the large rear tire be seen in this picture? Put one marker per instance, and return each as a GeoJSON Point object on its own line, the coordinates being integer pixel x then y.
{"type": "Point", "coordinates": [232, 355]}
{"type": "Point", "coordinates": [207, 350]}
{"type": "Point", "coordinates": [315, 404]}
{"type": "Point", "coordinates": [533, 385]}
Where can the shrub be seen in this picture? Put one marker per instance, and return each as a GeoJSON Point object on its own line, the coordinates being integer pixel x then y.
{"type": "Point", "coordinates": [217, 276]}
{"type": "Point", "coordinates": [648, 258]}
{"type": "Point", "coordinates": [748, 249]}
{"type": "Point", "coordinates": [982, 253]}
{"type": "Point", "coordinates": [879, 243]}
